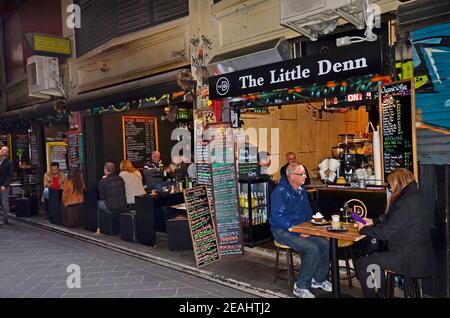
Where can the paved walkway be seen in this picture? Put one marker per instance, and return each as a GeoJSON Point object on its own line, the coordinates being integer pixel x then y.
{"type": "Point", "coordinates": [33, 263]}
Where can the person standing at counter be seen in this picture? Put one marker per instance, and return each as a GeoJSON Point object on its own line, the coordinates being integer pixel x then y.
{"type": "Point", "coordinates": [133, 180]}
{"type": "Point", "coordinates": [156, 160]}
{"type": "Point", "coordinates": [407, 232]}
{"type": "Point", "coordinates": [289, 206]}
{"type": "Point", "coordinates": [6, 172]}
{"type": "Point", "coordinates": [291, 158]}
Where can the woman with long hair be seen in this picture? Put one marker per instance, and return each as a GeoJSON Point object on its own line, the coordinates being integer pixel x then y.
{"type": "Point", "coordinates": [406, 228]}
{"type": "Point", "coordinates": [133, 180]}
{"type": "Point", "coordinates": [73, 188]}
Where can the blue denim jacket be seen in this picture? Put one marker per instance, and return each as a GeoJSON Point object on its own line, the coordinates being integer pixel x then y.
{"type": "Point", "coordinates": [288, 207]}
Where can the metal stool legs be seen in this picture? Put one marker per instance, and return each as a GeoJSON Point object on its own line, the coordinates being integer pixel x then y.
{"type": "Point", "coordinates": [290, 276]}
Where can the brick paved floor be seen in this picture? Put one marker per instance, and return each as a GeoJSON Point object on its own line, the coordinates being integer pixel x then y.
{"type": "Point", "coordinates": [33, 263]}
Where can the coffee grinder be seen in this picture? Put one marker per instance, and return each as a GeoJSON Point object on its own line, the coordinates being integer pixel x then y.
{"type": "Point", "coordinates": [348, 159]}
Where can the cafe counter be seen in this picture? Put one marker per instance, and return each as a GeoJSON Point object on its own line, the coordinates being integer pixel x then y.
{"type": "Point", "coordinates": [369, 202]}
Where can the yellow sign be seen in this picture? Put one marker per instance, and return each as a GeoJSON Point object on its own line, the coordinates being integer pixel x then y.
{"type": "Point", "coordinates": [51, 44]}
{"type": "Point", "coordinates": [57, 152]}
{"type": "Point", "coordinates": [358, 207]}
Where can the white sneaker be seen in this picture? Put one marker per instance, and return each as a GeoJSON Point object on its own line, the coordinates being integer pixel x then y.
{"type": "Point", "coordinates": [325, 285]}
{"type": "Point", "coordinates": [302, 293]}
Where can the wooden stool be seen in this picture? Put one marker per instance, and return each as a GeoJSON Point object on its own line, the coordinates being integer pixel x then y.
{"type": "Point", "coordinates": [347, 251]}
{"type": "Point", "coordinates": [416, 288]}
{"type": "Point", "coordinates": [290, 275]}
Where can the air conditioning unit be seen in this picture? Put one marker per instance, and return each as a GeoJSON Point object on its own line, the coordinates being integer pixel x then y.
{"type": "Point", "coordinates": [264, 53]}
{"type": "Point", "coordinates": [43, 76]}
{"type": "Point", "coordinates": [315, 17]}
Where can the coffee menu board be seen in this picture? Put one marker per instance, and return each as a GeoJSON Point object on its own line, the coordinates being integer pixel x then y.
{"type": "Point", "coordinates": [74, 148]}
{"type": "Point", "coordinates": [140, 138]}
{"type": "Point", "coordinates": [397, 117]}
{"type": "Point", "coordinates": [34, 149]}
{"type": "Point", "coordinates": [248, 162]}
{"type": "Point", "coordinates": [201, 224]}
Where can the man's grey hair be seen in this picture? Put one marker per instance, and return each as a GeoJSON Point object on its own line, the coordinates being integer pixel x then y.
{"type": "Point", "coordinates": [292, 168]}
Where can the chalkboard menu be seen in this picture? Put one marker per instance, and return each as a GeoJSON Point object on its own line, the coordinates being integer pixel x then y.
{"type": "Point", "coordinates": [34, 148]}
{"type": "Point", "coordinates": [248, 162]}
{"type": "Point", "coordinates": [140, 138]}
{"type": "Point", "coordinates": [23, 148]}
{"type": "Point", "coordinates": [201, 224]}
{"type": "Point", "coordinates": [397, 119]}
{"type": "Point", "coordinates": [74, 148]}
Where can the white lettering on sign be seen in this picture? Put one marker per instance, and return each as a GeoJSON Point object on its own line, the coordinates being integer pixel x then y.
{"type": "Point", "coordinates": [325, 66]}
{"type": "Point", "coordinates": [249, 81]}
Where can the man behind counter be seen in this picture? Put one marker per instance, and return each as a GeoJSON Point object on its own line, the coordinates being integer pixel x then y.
{"type": "Point", "coordinates": [292, 159]}
{"type": "Point", "coordinates": [156, 158]}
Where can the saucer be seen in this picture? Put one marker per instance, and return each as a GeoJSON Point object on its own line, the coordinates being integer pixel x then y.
{"type": "Point", "coordinates": [341, 229]}
{"type": "Point", "coordinates": [323, 222]}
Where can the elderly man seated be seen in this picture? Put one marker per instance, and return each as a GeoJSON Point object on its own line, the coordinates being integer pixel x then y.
{"type": "Point", "coordinates": [290, 206]}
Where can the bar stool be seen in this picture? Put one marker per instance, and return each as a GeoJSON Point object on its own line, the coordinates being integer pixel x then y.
{"type": "Point", "coordinates": [290, 275]}
{"type": "Point", "coordinates": [347, 252]}
{"type": "Point", "coordinates": [416, 286]}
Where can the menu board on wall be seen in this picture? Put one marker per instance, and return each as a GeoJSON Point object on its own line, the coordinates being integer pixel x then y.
{"type": "Point", "coordinates": [57, 152]}
{"type": "Point", "coordinates": [74, 148]}
{"type": "Point", "coordinates": [34, 148]}
{"type": "Point", "coordinates": [23, 148]}
{"type": "Point", "coordinates": [397, 117]}
{"type": "Point", "coordinates": [140, 138]}
{"type": "Point", "coordinates": [201, 224]}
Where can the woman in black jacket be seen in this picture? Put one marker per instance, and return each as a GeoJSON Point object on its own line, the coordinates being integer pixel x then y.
{"type": "Point", "coordinates": [407, 232]}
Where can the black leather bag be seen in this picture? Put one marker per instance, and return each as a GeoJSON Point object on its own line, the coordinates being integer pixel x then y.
{"type": "Point", "coordinates": [370, 245]}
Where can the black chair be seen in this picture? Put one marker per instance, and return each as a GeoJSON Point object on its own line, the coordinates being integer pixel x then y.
{"type": "Point", "coordinates": [179, 234]}
{"type": "Point", "coordinates": [109, 221]}
{"type": "Point", "coordinates": [54, 205]}
{"type": "Point", "coordinates": [128, 226]}
{"type": "Point", "coordinates": [145, 220]}
{"type": "Point", "coordinates": [416, 286]}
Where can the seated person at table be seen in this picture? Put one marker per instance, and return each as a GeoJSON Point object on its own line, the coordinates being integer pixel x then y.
{"type": "Point", "coordinates": [53, 179]}
{"type": "Point", "coordinates": [133, 180]}
{"type": "Point", "coordinates": [290, 206]}
{"type": "Point", "coordinates": [291, 158]}
{"type": "Point", "coordinates": [112, 190]}
{"type": "Point", "coordinates": [156, 159]}
{"type": "Point", "coordinates": [73, 188]}
{"type": "Point", "coordinates": [177, 169]}
{"type": "Point", "coordinates": [405, 228]}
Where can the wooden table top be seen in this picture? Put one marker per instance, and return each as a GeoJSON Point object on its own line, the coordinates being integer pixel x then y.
{"type": "Point", "coordinates": [320, 230]}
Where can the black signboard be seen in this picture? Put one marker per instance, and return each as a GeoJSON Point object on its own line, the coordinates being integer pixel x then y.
{"type": "Point", "coordinates": [140, 138]}
{"type": "Point", "coordinates": [248, 162]}
{"type": "Point", "coordinates": [201, 224]}
{"type": "Point", "coordinates": [74, 148]}
{"type": "Point", "coordinates": [226, 208]}
{"type": "Point", "coordinates": [34, 147]}
{"type": "Point", "coordinates": [359, 59]}
{"type": "Point", "coordinates": [397, 119]}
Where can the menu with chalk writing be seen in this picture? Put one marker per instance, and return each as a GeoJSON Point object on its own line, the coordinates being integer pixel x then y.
{"type": "Point", "coordinates": [201, 224]}
{"type": "Point", "coordinates": [397, 126]}
{"type": "Point", "coordinates": [140, 138]}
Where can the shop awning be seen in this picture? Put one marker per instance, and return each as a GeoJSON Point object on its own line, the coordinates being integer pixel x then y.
{"type": "Point", "coordinates": [149, 86]}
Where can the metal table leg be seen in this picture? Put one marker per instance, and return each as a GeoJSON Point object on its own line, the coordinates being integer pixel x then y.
{"type": "Point", "coordinates": [335, 268]}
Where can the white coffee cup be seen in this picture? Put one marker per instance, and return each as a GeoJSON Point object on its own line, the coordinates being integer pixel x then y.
{"type": "Point", "coordinates": [335, 221]}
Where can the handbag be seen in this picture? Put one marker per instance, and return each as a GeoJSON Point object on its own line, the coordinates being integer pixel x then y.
{"type": "Point", "coordinates": [372, 245]}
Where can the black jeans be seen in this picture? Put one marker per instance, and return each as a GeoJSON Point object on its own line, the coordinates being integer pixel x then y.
{"type": "Point", "coordinates": [370, 275]}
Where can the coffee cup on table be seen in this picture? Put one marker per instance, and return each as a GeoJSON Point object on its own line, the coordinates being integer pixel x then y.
{"type": "Point", "coordinates": [335, 221]}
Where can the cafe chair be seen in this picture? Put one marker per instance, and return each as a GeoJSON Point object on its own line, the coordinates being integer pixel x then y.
{"type": "Point", "coordinates": [290, 269]}
{"type": "Point", "coordinates": [109, 222]}
{"type": "Point", "coordinates": [347, 253]}
{"type": "Point", "coordinates": [414, 292]}
{"type": "Point", "coordinates": [128, 226]}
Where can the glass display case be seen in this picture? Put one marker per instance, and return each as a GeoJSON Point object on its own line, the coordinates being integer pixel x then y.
{"type": "Point", "coordinates": [254, 205]}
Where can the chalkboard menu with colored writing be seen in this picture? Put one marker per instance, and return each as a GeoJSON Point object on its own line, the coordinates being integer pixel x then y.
{"type": "Point", "coordinates": [201, 224]}
{"type": "Point", "coordinates": [397, 119]}
{"type": "Point", "coordinates": [23, 148]}
{"type": "Point", "coordinates": [34, 148]}
{"type": "Point", "coordinates": [74, 148]}
{"type": "Point", "coordinates": [140, 138]}
{"type": "Point", "coordinates": [248, 162]}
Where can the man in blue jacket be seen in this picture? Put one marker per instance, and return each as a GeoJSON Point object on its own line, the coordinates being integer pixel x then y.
{"type": "Point", "coordinates": [290, 206]}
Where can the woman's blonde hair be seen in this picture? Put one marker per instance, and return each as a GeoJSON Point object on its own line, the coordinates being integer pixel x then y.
{"type": "Point", "coordinates": [400, 178]}
{"type": "Point", "coordinates": [126, 165]}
